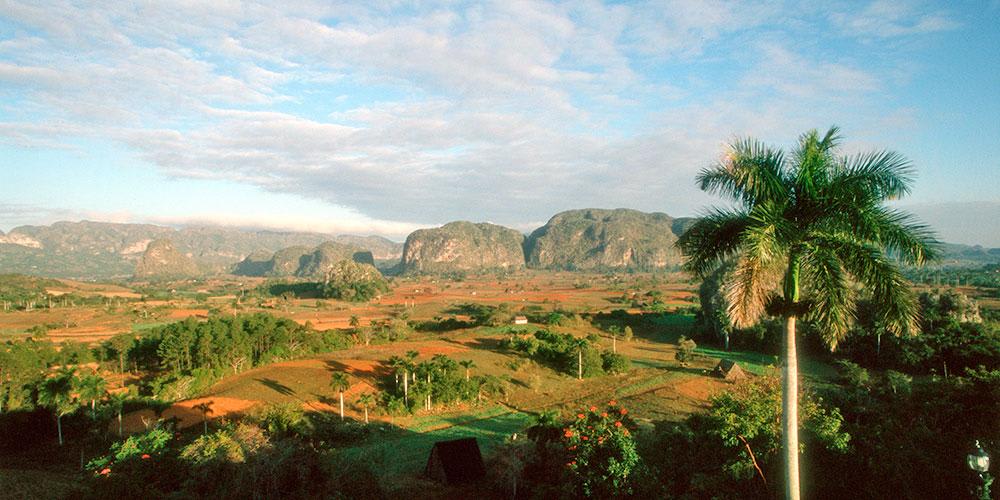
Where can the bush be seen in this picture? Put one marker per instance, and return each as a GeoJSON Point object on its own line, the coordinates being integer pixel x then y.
{"type": "Point", "coordinates": [685, 349]}
{"type": "Point", "coordinates": [602, 452]}
{"type": "Point", "coordinates": [615, 363]}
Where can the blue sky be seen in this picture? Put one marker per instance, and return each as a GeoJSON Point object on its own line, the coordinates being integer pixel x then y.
{"type": "Point", "coordinates": [385, 117]}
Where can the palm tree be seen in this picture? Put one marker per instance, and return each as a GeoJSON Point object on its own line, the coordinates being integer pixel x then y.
{"type": "Point", "coordinates": [411, 357]}
{"type": "Point", "coordinates": [340, 383]}
{"type": "Point", "coordinates": [117, 402]}
{"type": "Point", "coordinates": [91, 388]}
{"type": "Point", "coordinates": [399, 364]}
{"type": "Point", "coordinates": [580, 345]}
{"type": "Point", "coordinates": [468, 364]}
{"type": "Point", "coordinates": [366, 401]}
{"type": "Point", "coordinates": [205, 407]}
{"type": "Point", "coordinates": [808, 224]}
{"type": "Point", "coordinates": [57, 393]}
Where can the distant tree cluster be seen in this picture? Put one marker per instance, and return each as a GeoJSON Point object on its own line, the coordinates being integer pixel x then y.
{"type": "Point", "coordinates": [575, 356]}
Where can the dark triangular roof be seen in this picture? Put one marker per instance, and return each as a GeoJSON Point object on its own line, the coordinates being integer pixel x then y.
{"type": "Point", "coordinates": [729, 370]}
{"type": "Point", "coordinates": [456, 461]}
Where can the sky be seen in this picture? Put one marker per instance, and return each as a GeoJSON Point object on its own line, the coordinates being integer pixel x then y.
{"type": "Point", "coordinates": [383, 117]}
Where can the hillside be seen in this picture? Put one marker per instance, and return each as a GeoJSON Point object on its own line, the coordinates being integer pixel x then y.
{"type": "Point", "coordinates": [597, 239]}
{"type": "Point", "coordinates": [161, 260]}
{"type": "Point", "coordinates": [463, 246]}
{"type": "Point", "coordinates": [301, 261]}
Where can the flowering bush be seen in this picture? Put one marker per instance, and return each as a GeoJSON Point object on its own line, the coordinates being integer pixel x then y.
{"type": "Point", "coordinates": [602, 451]}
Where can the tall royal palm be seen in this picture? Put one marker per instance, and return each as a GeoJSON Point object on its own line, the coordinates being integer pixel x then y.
{"type": "Point", "coordinates": [808, 229]}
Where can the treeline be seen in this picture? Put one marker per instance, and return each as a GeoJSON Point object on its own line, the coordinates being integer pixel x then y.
{"type": "Point", "coordinates": [189, 355]}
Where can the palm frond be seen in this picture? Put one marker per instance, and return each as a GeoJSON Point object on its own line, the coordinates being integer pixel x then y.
{"type": "Point", "coordinates": [868, 264]}
{"type": "Point", "coordinates": [829, 294]}
{"type": "Point", "coordinates": [750, 173]}
{"type": "Point", "coordinates": [715, 237]}
{"type": "Point", "coordinates": [759, 267]}
{"type": "Point", "coordinates": [882, 175]}
{"type": "Point", "coordinates": [895, 231]}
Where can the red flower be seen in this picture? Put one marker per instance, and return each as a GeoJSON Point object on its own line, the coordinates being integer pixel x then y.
{"type": "Point", "coordinates": [585, 438]}
{"type": "Point", "coordinates": [145, 456]}
{"type": "Point", "coordinates": [569, 433]}
{"type": "Point", "coordinates": [623, 411]}
{"type": "Point", "coordinates": [105, 471]}
{"type": "Point", "coordinates": [613, 403]}
{"type": "Point", "coordinates": [579, 415]}
{"type": "Point", "coordinates": [571, 448]}
{"type": "Point", "coordinates": [593, 408]}
{"type": "Point", "coordinates": [618, 424]}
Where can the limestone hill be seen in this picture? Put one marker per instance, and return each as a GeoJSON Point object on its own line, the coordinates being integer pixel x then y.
{"type": "Point", "coordinates": [597, 239]}
{"type": "Point", "coordinates": [463, 246]}
{"type": "Point", "coordinates": [161, 260]}
{"type": "Point", "coordinates": [301, 261]}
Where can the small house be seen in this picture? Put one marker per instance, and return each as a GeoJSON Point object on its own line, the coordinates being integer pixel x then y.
{"type": "Point", "coordinates": [457, 461]}
{"type": "Point", "coordinates": [520, 320]}
{"type": "Point", "coordinates": [729, 370]}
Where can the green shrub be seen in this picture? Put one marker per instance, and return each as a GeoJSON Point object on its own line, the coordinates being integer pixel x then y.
{"type": "Point", "coordinates": [615, 363]}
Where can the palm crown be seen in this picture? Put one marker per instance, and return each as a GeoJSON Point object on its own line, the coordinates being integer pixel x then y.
{"type": "Point", "coordinates": [812, 216]}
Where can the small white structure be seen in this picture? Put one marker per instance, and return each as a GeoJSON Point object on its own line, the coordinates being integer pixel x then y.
{"type": "Point", "coordinates": [520, 320]}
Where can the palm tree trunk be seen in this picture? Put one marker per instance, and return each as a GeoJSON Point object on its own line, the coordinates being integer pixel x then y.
{"type": "Point", "coordinates": [406, 387]}
{"type": "Point", "coordinates": [466, 374]}
{"type": "Point", "coordinates": [579, 365]}
{"type": "Point", "coordinates": [366, 415]}
{"type": "Point", "coordinates": [341, 405]}
{"type": "Point", "coordinates": [119, 422]}
{"type": "Point", "coordinates": [59, 428]}
{"type": "Point", "coordinates": [790, 413]}
{"type": "Point", "coordinates": [790, 393]}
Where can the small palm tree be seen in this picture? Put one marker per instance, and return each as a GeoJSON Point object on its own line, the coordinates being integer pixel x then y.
{"type": "Point", "coordinates": [366, 400]}
{"type": "Point", "coordinates": [91, 388]}
{"type": "Point", "coordinates": [117, 401]}
{"type": "Point", "coordinates": [57, 393]}
{"type": "Point", "coordinates": [340, 383]}
{"type": "Point", "coordinates": [580, 345]}
{"type": "Point", "coordinates": [808, 225]}
{"type": "Point", "coordinates": [205, 407]}
{"type": "Point", "coordinates": [411, 358]}
{"type": "Point", "coordinates": [468, 364]}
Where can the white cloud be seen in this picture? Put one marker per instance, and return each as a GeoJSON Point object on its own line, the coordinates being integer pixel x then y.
{"type": "Point", "coordinates": [505, 111]}
{"type": "Point", "coordinates": [892, 18]}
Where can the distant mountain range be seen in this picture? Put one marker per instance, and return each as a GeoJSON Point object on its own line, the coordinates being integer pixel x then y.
{"type": "Point", "coordinates": [102, 250]}
{"type": "Point", "coordinates": [586, 239]}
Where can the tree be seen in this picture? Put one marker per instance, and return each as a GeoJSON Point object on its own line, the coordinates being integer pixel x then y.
{"type": "Point", "coordinates": [205, 407]}
{"type": "Point", "coordinates": [602, 452]}
{"type": "Point", "coordinates": [685, 349]}
{"type": "Point", "coordinates": [117, 401]}
{"type": "Point", "coordinates": [580, 345]}
{"type": "Point", "coordinates": [91, 388]}
{"type": "Point", "coordinates": [807, 225]}
{"type": "Point", "coordinates": [468, 364]}
{"type": "Point", "coordinates": [340, 383]}
{"type": "Point", "coordinates": [57, 393]}
{"type": "Point", "coordinates": [627, 334]}
{"type": "Point", "coordinates": [366, 400]}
